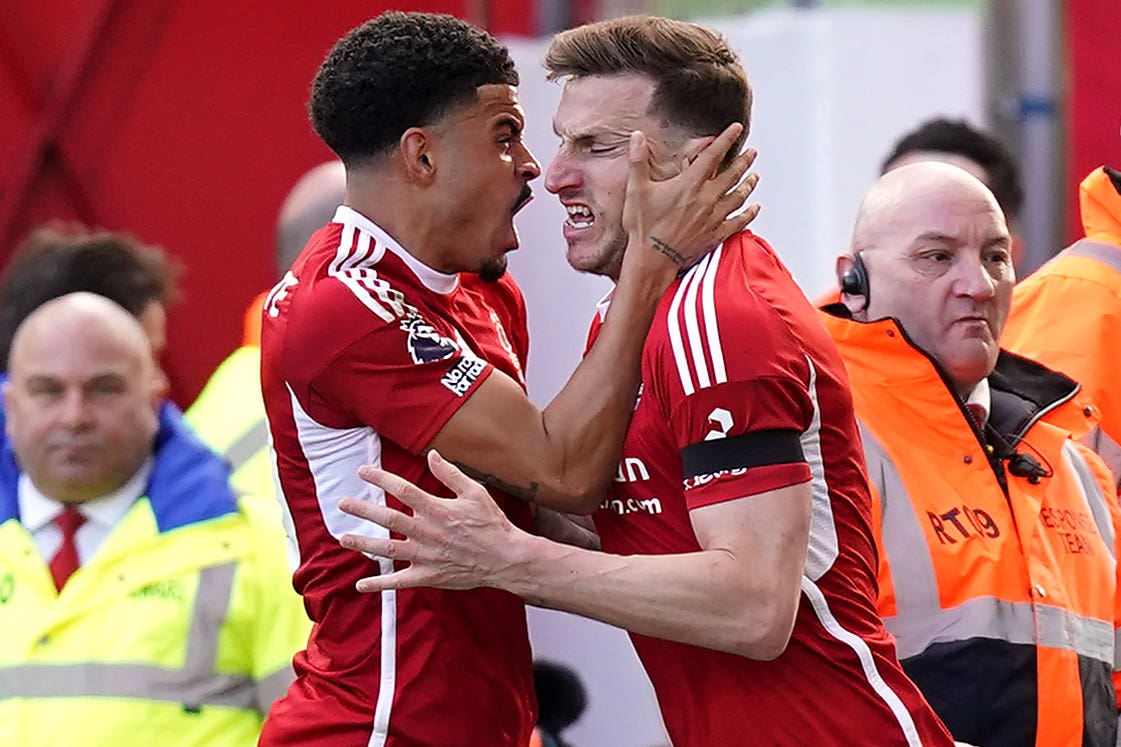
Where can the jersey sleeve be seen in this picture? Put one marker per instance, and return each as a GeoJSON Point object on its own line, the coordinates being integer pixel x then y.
{"type": "Point", "coordinates": [742, 438]}
{"type": "Point", "coordinates": [404, 378]}
{"type": "Point", "coordinates": [735, 384]}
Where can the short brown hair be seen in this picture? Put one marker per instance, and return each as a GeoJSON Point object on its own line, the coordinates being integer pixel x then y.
{"type": "Point", "coordinates": [700, 84]}
{"type": "Point", "coordinates": [62, 258]}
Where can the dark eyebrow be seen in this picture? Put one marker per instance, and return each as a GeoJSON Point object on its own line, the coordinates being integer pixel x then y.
{"type": "Point", "coordinates": [509, 120]}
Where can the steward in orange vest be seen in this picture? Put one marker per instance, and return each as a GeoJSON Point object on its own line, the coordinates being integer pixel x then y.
{"type": "Point", "coordinates": [997, 532]}
{"type": "Point", "coordinates": [1068, 313]}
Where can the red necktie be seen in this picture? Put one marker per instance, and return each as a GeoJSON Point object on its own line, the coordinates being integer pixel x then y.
{"type": "Point", "coordinates": [978, 413]}
{"type": "Point", "coordinates": [65, 561]}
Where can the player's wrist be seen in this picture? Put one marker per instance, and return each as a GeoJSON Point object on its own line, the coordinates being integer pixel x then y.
{"type": "Point", "coordinates": [520, 563]}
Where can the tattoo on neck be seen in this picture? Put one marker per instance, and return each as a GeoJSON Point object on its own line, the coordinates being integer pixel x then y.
{"type": "Point", "coordinates": [675, 256]}
{"type": "Point", "coordinates": [527, 494]}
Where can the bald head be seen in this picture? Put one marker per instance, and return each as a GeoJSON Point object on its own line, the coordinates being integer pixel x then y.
{"type": "Point", "coordinates": [906, 196]}
{"type": "Point", "coordinates": [307, 208]}
{"type": "Point", "coordinates": [80, 316]}
{"type": "Point", "coordinates": [937, 252]}
{"type": "Point", "coordinates": [82, 397]}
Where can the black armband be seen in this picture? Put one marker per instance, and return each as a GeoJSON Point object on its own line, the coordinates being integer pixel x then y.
{"type": "Point", "coordinates": [752, 449]}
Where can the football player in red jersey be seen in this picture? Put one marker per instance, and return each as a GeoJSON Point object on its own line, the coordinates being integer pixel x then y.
{"type": "Point", "coordinates": [737, 538]}
{"type": "Point", "coordinates": [396, 330]}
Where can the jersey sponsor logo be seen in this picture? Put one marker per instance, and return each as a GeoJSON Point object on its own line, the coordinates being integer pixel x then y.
{"type": "Point", "coordinates": [721, 422]}
{"type": "Point", "coordinates": [631, 469]}
{"type": "Point", "coordinates": [624, 506]}
{"type": "Point", "coordinates": [700, 480]}
{"type": "Point", "coordinates": [961, 523]}
{"type": "Point", "coordinates": [425, 344]}
{"type": "Point", "coordinates": [462, 375]}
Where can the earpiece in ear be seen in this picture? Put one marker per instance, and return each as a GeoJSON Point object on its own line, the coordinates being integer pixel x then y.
{"type": "Point", "coordinates": [855, 280]}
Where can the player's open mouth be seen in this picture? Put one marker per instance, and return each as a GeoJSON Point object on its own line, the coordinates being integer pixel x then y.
{"type": "Point", "coordinates": [523, 199]}
{"type": "Point", "coordinates": [579, 216]}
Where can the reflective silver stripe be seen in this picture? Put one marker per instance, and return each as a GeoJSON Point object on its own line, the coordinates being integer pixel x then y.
{"type": "Point", "coordinates": [920, 619]}
{"type": "Point", "coordinates": [1059, 628]}
{"type": "Point", "coordinates": [902, 536]}
{"type": "Point", "coordinates": [1015, 622]}
{"type": "Point", "coordinates": [273, 687]}
{"type": "Point", "coordinates": [1116, 650]}
{"type": "Point", "coordinates": [126, 681]}
{"type": "Point", "coordinates": [247, 445]}
{"type": "Point", "coordinates": [1092, 492]}
{"type": "Point", "coordinates": [1107, 254]}
{"type": "Point", "coordinates": [1109, 450]}
{"type": "Point", "coordinates": [196, 684]}
{"type": "Point", "coordinates": [212, 602]}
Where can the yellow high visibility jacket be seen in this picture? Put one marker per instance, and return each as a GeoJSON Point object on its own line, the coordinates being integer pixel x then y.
{"type": "Point", "coordinates": [998, 576]}
{"type": "Point", "coordinates": [229, 413]}
{"type": "Point", "coordinates": [1067, 314]}
{"type": "Point", "coordinates": [179, 631]}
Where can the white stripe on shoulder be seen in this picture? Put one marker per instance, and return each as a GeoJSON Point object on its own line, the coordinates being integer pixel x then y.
{"type": "Point", "coordinates": [692, 324]}
{"type": "Point", "coordinates": [352, 266]}
{"type": "Point", "coordinates": [863, 653]}
{"type": "Point", "coordinates": [694, 300]}
{"type": "Point", "coordinates": [673, 326]}
{"type": "Point", "coordinates": [708, 304]}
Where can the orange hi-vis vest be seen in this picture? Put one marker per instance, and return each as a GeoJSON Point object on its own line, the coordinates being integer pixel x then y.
{"type": "Point", "coordinates": [997, 544]}
{"type": "Point", "coordinates": [1067, 315]}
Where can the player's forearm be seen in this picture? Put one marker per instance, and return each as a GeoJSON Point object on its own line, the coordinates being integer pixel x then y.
{"type": "Point", "coordinates": [707, 598]}
{"type": "Point", "coordinates": [586, 422]}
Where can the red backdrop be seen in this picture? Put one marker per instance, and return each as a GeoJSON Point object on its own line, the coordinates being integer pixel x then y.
{"type": "Point", "coordinates": [182, 123]}
{"type": "Point", "coordinates": [1094, 41]}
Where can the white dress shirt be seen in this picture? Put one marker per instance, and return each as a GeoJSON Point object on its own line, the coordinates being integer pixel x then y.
{"type": "Point", "coordinates": [981, 395]}
{"type": "Point", "coordinates": [37, 513]}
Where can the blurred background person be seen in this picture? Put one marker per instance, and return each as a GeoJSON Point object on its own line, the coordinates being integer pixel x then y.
{"type": "Point", "coordinates": [143, 603]}
{"type": "Point", "coordinates": [957, 142]}
{"type": "Point", "coordinates": [229, 414]}
{"type": "Point", "coordinates": [561, 700]}
{"type": "Point", "coordinates": [66, 258]}
{"type": "Point", "coordinates": [1067, 314]}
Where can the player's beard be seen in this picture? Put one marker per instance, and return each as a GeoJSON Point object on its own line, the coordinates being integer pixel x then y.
{"type": "Point", "coordinates": [493, 269]}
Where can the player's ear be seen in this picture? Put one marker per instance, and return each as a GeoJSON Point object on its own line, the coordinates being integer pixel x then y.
{"type": "Point", "coordinates": [417, 153]}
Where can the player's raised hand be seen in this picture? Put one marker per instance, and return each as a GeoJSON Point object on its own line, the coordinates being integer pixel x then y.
{"type": "Point", "coordinates": [688, 214]}
{"type": "Point", "coordinates": [449, 543]}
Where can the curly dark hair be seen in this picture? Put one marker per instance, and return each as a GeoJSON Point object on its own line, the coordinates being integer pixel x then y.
{"type": "Point", "coordinates": [960, 138]}
{"type": "Point", "coordinates": [66, 258]}
{"type": "Point", "coordinates": [400, 70]}
{"type": "Point", "coordinates": [700, 84]}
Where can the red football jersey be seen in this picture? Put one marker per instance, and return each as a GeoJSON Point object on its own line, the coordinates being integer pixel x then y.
{"type": "Point", "coordinates": [735, 356]}
{"type": "Point", "coordinates": [366, 354]}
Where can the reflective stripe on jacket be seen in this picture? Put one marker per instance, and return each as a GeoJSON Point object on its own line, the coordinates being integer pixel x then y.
{"type": "Point", "coordinates": [1000, 588]}
{"type": "Point", "coordinates": [179, 630]}
{"type": "Point", "coordinates": [1067, 314]}
{"type": "Point", "coordinates": [229, 416]}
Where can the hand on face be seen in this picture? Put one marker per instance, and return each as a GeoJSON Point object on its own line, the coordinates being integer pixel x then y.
{"type": "Point", "coordinates": [689, 214]}
{"type": "Point", "coordinates": [450, 543]}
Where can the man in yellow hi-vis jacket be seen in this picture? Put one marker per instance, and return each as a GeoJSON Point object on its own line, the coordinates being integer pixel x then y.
{"type": "Point", "coordinates": [140, 603]}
